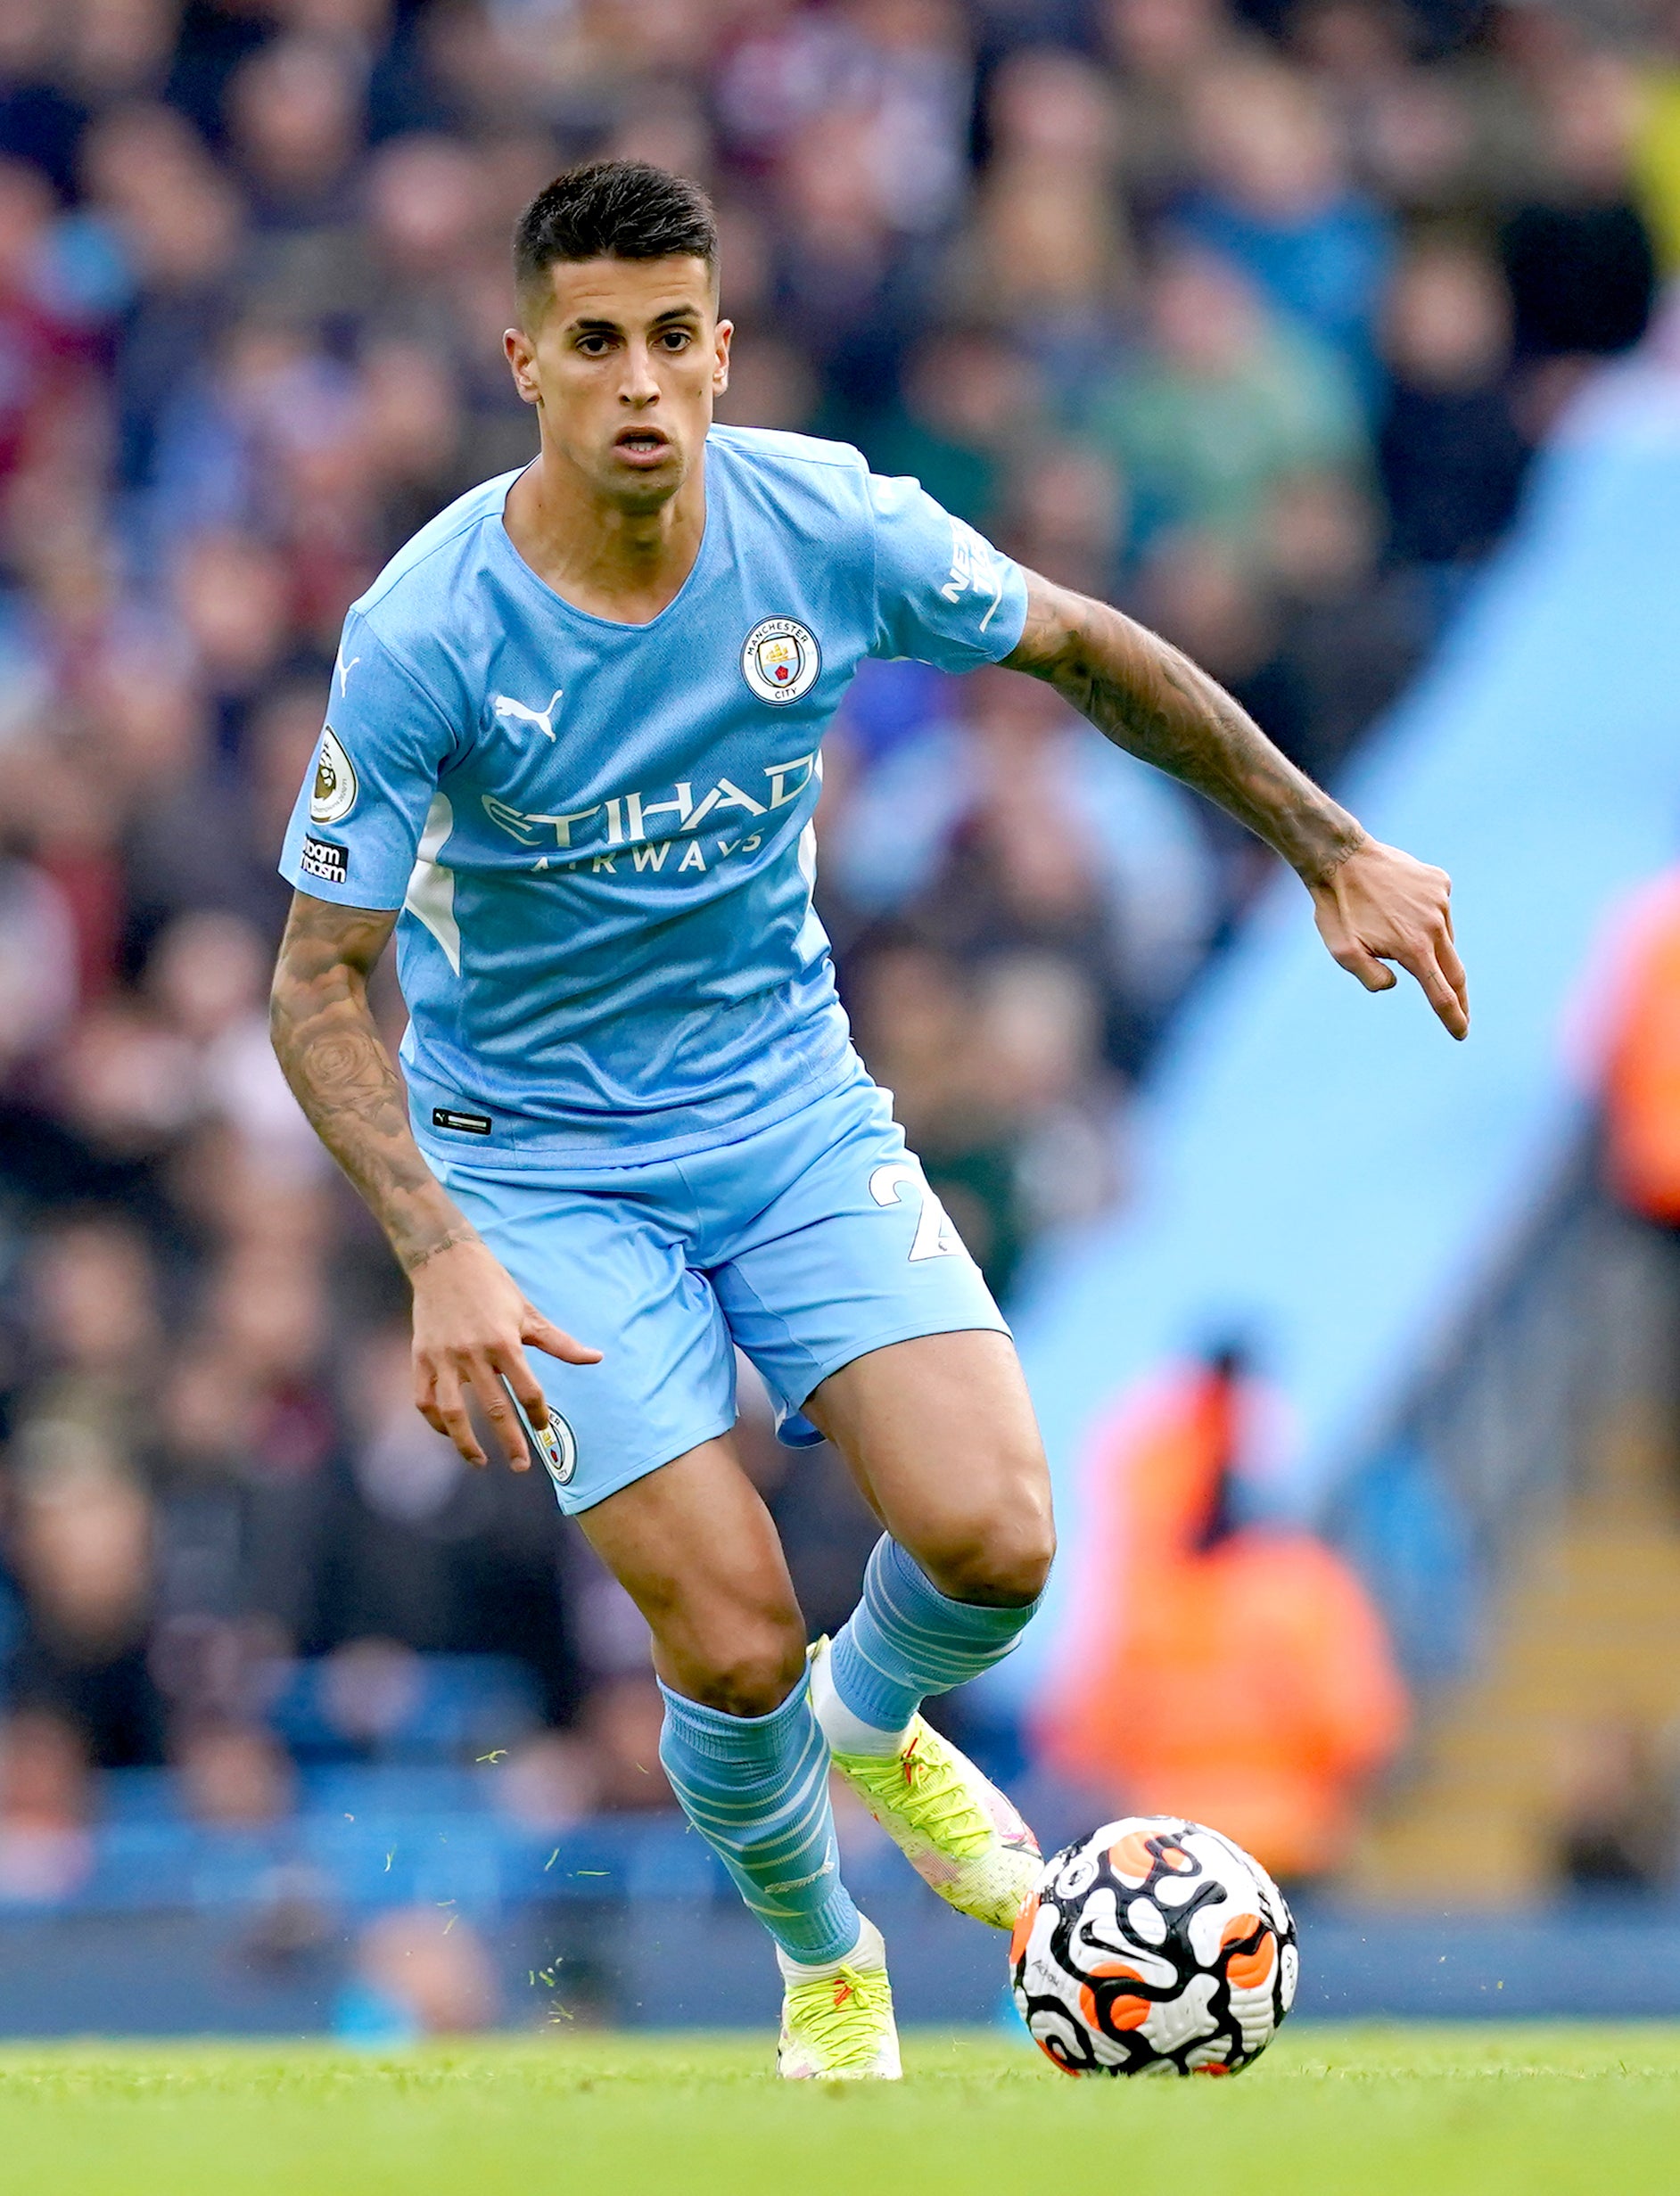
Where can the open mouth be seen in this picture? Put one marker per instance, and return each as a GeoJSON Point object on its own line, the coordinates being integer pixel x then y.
{"type": "Point", "coordinates": [642, 445]}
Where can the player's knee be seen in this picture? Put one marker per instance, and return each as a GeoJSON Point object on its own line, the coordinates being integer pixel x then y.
{"type": "Point", "coordinates": [1002, 1563]}
{"type": "Point", "coordinates": [751, 1670]}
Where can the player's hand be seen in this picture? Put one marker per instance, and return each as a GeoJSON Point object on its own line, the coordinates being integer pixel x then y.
{"type": "Point", "coordinates": [1380, 905]}
{"type": "Point", "coordinates": [471, 1323]}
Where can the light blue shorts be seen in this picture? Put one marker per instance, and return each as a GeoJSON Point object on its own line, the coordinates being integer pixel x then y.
{"type": "Point", "coordinates": [807, 1243]}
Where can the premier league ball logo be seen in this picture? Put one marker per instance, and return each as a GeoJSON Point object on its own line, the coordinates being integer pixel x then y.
{"type": "Point", "coordinates": [780, 660]}
{"type": "Point", "coordinates": [333, 794]}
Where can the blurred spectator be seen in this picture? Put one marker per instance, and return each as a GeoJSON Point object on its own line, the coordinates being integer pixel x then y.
{"type": "Point", "coordinates": [1224, 403]}
{"type": "Point", "coordinates": [234, 1776]}
{"type": "Point", "coordinates": [47, 381]}
{"type": "Point", "coordinates": [549, 1783]}
{"type": "Point", "coordinates": [1412, 133]}
{"type": "Point", "coordinates": [1578, 256]}
{"type": "Point", "coordinates": [1275, 198]}
{"type": "Point", "coordinates": [46, 1852]}
{"type": "Point", "coordinates": [418, 1972]}
{"type": "Point", "coordinates": [994, 1077]}
{"type": "Point", "coordinates": [1656, 146]}
{"type": "Point", "coordinates": [1451, 456]}
{"type": "Point", "coordinates": [40, 122]}
{"type": "Point", "coordinates": [1049, 255]}
{"type": "Point", "coordinates": [622, 1725]}
{"type": "Point", "coordinates": [969, 400]}
{"type": "Point", "coordinates": [1019, 827]}
{"type": "Point", "coordinates": [1615, 1810]}
{"type": "Point", "coordinates": [1635, 1013]}
{"type": "Point", "coordinates": [1349, 638]}
{"type": "Point", "coordinates": [95, 1329]}
{"type": "Point", "coordinates": [38, 976]}
{"type": "Point", "coordinates": [1218, 1668]}
{"type": "Point", "coordinates": [1066, 514]}
{"type": "Point", "coordinates": [1164, 50]}
{"type": "Point", "coordinates": [79, 1545]}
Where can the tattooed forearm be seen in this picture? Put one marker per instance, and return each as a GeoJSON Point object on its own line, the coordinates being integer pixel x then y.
{"type": "Point", "coordinates": [1151, 700]}
{"type": "Point", "coordinates": [344, 1079]}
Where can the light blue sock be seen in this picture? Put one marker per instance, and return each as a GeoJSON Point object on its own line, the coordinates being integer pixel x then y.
{"type": "Point", "coordinates": [905, 1639]}
{"type": "Point", "coordinates": [756, 1788]}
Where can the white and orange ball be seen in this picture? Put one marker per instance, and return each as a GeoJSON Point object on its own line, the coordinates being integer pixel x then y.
{"type": "Point", "coordinates": [1154, 1946]}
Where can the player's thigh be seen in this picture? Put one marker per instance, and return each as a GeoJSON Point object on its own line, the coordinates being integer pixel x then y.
{"type": "Point", "coordinates": [694, 1547]}
{"type": "Point", "coordinates": [612, 1271]}
{"type": "Point", "coordinates": [852, 1294]}
{"type": "Point", "coordinates": [941, 1435]}
{"type": "Point", "coordinates": [853, 1250]}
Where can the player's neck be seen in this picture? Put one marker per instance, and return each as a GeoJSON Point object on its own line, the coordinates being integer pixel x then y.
{"type": "Point", "coordinates": [625, 565]}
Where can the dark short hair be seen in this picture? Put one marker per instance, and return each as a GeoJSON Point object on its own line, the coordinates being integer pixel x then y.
{"type": "Point", "coordinates": [612, 210]}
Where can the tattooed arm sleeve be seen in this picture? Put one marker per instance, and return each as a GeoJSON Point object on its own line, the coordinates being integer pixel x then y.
{"type": "Point", "coordinates": [1151, 700]}
{"type": "Point", "coordinates": [344, 1079]}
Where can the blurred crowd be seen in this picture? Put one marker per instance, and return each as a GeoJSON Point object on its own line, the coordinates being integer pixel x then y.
{"type": "Point", "coordinates": [1247, 317]}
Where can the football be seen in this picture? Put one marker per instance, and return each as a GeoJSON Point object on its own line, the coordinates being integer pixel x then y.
{"type": "Point", "coordinates": [1153, 1946]}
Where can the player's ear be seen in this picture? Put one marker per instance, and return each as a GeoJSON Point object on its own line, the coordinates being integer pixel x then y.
{"type": "Point", "coordinates": [522, 356]}
{"type": "Point", "coordinates": [721, 366]}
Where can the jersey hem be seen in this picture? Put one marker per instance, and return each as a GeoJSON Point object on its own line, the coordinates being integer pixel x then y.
{"type": "Point", "coordinates": [473, 1154]}
{"type": "Point", "coordinates": [340, 896]}
{"type": "Point", "coordinates": [1020, 629]}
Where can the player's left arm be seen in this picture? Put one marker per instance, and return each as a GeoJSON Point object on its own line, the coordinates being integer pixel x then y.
{"type": "Point", "coordinates": [1373, 903]}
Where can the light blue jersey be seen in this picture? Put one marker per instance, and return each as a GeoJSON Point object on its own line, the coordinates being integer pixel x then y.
{"type": "Point", "coordinates": [600, 834]}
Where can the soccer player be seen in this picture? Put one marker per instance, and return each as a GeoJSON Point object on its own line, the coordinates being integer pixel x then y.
{"type": "Point", "coordinates": [571, 758]}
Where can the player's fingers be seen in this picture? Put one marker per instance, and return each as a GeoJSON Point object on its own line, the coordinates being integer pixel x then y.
{"type": "Point", "coordinates": [510, 1359]}
{"type": "Point", "coordinates": [557, 1342]}
{"type": "Point", "coordinates": [505, 1427]}
{"type": "Point", "coordinates": [1419, 961]}
{"type": "Point", "coordinates": [451, 1417]}
{"type": "Point", "coordinates": [425, 1395]}
{"type": "Point", "coordinates": [1453, 968]}
{"type": "Point", "coordinates": [1370, 971]}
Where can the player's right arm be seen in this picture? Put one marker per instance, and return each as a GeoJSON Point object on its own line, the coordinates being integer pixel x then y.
{"type": "Point", "coordinates": [470, 1320]}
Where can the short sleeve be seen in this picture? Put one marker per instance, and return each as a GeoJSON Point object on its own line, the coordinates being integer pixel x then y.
{"type": "Point", "coordinates": [943, 593]}
{"type": "Point", "coordinates": [359, 817]}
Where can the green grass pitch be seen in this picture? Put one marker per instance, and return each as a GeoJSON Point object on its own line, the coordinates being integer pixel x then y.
{"type": "Point", "coordinates": [1532, 2110]}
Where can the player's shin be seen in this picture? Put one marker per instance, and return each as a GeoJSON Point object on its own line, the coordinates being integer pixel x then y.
{"type": "Point", "coordinates": [756, 1788]}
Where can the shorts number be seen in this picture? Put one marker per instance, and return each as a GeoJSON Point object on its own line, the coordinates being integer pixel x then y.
{"type": "Point", "coordinates": [934, 1236]}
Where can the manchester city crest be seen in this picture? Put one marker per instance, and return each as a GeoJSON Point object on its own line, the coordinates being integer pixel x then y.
{"type": "Point", "coordinates": [780, 660]}
{"type": "Point", "coordinates": [558, 1447]}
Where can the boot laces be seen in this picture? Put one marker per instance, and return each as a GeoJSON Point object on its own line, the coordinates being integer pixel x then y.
{"type": "Point", "coordinates": [842, 2015]}
{"type": "Point", "coordinates": [940, 1802]}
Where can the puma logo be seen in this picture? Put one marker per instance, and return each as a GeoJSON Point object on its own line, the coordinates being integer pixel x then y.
{"type": "Point", "coordinates": [505, 705]}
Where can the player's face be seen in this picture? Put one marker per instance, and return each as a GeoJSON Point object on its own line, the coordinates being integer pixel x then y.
{"type": "Point", "coordinates": [624, 365]}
